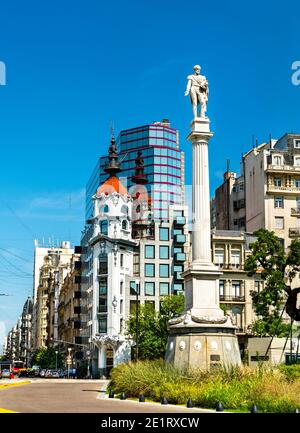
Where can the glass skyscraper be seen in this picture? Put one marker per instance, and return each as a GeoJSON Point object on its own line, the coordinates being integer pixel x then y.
{"type": "Point", "coordinates": [164, 166]}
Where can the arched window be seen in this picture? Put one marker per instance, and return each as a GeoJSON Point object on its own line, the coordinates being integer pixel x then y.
{"type": "Point", "coordinates": [104, 227]}
{"type": "Point", "coordinates": [124, 209]}
{"type": "Point", "coordinates": [105, 209]}
{"type": "Point", "coordinates": [124, 225]}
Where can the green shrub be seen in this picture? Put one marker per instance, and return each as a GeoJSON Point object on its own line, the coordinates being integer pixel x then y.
{"type": "Point", "coordinates": [291, 372]}
{"type": "Point", "coordinates": [237, 388]}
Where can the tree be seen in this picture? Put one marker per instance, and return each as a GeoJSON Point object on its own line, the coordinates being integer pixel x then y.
{"type": "Point", "coordinates": [278, 269]}
{"type": "Point", "coordinates": [153, 326]}
{"type": "Point", "coordinates": [46, 358]}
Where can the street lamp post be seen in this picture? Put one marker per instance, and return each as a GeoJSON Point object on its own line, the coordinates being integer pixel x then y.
{"type": "Point", "coordinates": [56, 353]}
{"type": "Point", "coordinates": [137, 320]}
{"type": "Point", "coordinates": [69, 361]}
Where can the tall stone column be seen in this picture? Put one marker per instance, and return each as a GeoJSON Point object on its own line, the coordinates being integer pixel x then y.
{"type": "Point", "coordinates": [202, 277]}
{"type": "Point", "coordinates": [203, 337]}
{"type": "Point", "coordinates": [199, 137]}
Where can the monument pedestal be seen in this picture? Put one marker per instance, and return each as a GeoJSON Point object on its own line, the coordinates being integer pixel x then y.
{"type": "Point", "coordinates": [203, 337]}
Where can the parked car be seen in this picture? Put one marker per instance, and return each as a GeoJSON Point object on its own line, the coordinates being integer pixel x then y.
{"type": "Point", "coordinates": [7, 374]}
{"type": "Point", "coordinates": [42, 373]}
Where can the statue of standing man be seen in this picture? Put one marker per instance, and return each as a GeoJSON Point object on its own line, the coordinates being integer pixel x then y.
{"type": "Point", "coordinates": [197, 87]}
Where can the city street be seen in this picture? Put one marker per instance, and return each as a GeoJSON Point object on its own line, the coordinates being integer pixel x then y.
{"type": "Point", "coordinates": [69, 396]}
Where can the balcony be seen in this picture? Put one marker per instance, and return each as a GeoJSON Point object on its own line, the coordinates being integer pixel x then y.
{"type": "Point", "coordinates": [180, 221]}
{"type": "Point", "coordinates": [179, 239]}
{"type": "Point", "coordinates": [294, 232]}
{"type": "Point", "coordinates": [232, 267]}
{"type": "Point", "coordinates": [178, 276]}
{"type": "Point", "coordinates": [295, 211]}
{"type": "Point", "coordinates": [231, 298]}
{"type": "Point", "coordinates": [283, 168]}
{"type": "Point", "coordinates": [180, 257]}
{"type": "Point", "coordinates": [286, 189]}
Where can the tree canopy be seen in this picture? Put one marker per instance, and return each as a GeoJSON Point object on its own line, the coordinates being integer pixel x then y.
{"type": "Point", "coordinates": [46, 358]}
{"type": "Point", "coordinates": [277, 269]}
{"type": "Point", "coordinates": [153, 326]}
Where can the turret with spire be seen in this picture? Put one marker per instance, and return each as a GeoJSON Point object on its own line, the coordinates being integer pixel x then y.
{"type": "Point", "coordinates": [113, 165]}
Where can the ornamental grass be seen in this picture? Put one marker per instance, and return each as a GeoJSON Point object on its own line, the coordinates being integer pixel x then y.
{"type": "Point", "coordinates": [271, 389]}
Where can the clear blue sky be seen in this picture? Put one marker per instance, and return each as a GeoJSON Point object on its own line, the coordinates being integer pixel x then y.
{"type": "Point", "coordinates": [73, 66]}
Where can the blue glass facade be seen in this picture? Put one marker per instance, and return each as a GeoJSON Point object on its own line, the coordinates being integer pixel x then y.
{"type": "Point", "coordinates": [163, 160]}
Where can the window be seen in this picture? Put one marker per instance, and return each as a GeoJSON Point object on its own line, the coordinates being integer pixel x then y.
{"type": "Point", "coordinates": [258, 286]}
{"type": "Point", "coordinates": [278, 202]}
{"type": "Point", "coordinates": [150, 304]}
{"type": "Point", "coordinates": [163, 234]}
{"type": "Point", "coordinates": [297, 183]}
{"type": "Point", "coordinates": [219, 257]}
{"type": "Point", "coordinates": [124, 209]}
{"type": "Point", "coordinates": [164, 252]}
{"type": "Point", "coordinates": [105, 209]}
{"type": "Point", "coordinates": [277, 182]}
{"type": "Point", "coordinates": [241, 187]}
{"type": "Point", "coordinates": [133, 287]}
{"type": "Point", "coordinates": [122, 260]}
{"type": "Point", "coordinates": [149, 252]}
{"type": "Point", "coordinates": [104, 227]}
{"type": "Point", "coordinates": [277, 160]}
{"type": "Point", "coordinates": [103, 305]}
{"type": "Point", "coordinates": [235, 258]}
{"type": "Point", "coordinates": [103, 286]}
{"type": "Point", "coordinates": [221, 288]}
{"type": "Point", "coordinates": [149, 270]}
{"type": "Point", "coordinates": [164, 271]}
{"type": "Point", "coordinates": [297, 144]}
{"type": "Point", "coordinates": [297, 161]}
{"type": "Point", "coordinates": [121, 287]}
{"type": "Point", "coordinates": [124, 225]}
{"type": "Point", "coordinates": [133, 307]}
{"type": "Point", "coordinates": [279, 222]}
{"type": "Point", "coordinates": [236, 288]}
{"type": "Point", "coordinates": [103, 325]}
{"type": "Point", "coordinates": [178, 287]}
{"type": "Point", "coordinates": [149, 288]}
{"type": "Point", "coordinates": [163, 289]}
{"type": "Point", "coordinates": [103, 267]}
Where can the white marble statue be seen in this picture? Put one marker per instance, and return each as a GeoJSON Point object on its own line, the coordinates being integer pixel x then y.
{"type": "Point", "coordinates": [197, 88]}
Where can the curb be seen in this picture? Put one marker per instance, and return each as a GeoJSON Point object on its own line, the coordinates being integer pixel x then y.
{"type": "Point", "coordinates": [8, 385]}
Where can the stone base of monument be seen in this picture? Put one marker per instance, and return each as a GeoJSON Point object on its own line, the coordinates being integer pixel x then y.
{"type": "Point", "coordinates": [203, 337]}
{"type": "Point", "coordinates": [203, 346]}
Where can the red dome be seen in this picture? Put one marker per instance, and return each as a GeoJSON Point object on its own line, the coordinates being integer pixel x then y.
{"type": "Point", "coordinates": [112, 184]}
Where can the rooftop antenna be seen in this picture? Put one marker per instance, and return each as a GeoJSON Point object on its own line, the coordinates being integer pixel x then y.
{"type": "Point", "coordinates": [253, 141]}
{"type": "Point", "coordinates": [227, 165]}
{"type": "Point", "coordinates": [112, 129]}
{"type": "Point", "coordinates": [256, 143]}
{"type": "Point", "coordinates": [270, 141]}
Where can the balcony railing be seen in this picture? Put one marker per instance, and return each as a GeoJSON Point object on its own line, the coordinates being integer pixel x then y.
{"type": "Point", "coordinates": [180, 221]}
{"type": "Point", "coordinates": [283, 167]}
{"type": "Point", "coordinates": [294, 232]}
{"type": "Point", "coordinates": [180, 239]}
{"type": "Point", "coordinates": [180, 257]}
{"type": "Point", "coordinates": [295, 211]}
{"type": "Point", "coordinates": [232, 298]}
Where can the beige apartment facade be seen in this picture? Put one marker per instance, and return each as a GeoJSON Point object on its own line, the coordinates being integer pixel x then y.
{"type": "Point", "coordinates": [229, 252]}
{"type": "Point", "coordinates": [272, 179]}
